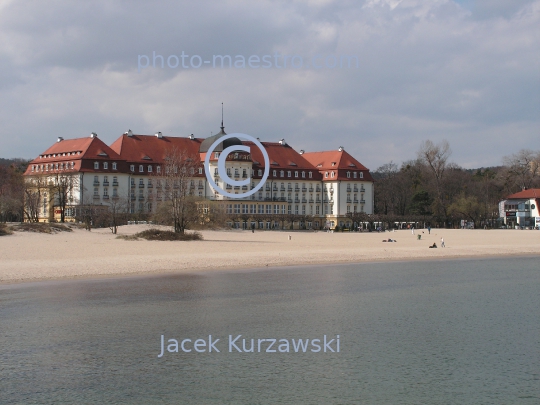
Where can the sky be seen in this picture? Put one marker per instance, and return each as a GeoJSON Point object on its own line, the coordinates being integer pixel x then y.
{"type": "Point", "coordinates": [374, 76]}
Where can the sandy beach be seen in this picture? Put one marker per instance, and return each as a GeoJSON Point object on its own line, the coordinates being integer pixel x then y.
{"type": "Point", "coordinates": [27, 256]}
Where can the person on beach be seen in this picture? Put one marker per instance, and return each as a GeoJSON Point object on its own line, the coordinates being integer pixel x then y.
{"type": "Point", "coordinates": [429, 230]}
{"type": "Point", "coordinates": [442, 243]}
{"type": "Point", "coordinates": [412, 229]}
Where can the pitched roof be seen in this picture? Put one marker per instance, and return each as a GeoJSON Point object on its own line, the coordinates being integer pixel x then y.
{"type": "Point", "coordinates": [339, 160]}
{"type": "Point", "coordinates": [150, 148]}
{"type": "Point", "coordinates": [529, 193]}
{"type": "Point", "coordinates": [75, 150]}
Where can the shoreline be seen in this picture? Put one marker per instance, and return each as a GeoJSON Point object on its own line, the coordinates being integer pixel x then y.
{"type": "Point", "coordinates": [168, 273]}
{"type": "Point", "coordinates": [81, 255]}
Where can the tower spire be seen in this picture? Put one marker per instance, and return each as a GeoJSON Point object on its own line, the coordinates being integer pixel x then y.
{"type": "Point", "coordinates": [222, 127]}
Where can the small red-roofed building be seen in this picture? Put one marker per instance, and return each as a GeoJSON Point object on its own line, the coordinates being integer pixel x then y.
{"type": "Point", "coordinates": [521, 209]}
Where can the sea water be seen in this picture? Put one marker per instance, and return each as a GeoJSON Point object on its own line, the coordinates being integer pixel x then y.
{"type": "Point", "coordinates": [426, 332]}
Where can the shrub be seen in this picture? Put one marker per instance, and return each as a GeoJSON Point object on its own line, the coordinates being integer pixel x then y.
{"type": "Point", "coordinates": [42, 227]}
{"type": "Point", "coordinates": [5, 230]}
{"type": "Point", "coordinates": [157, 234]}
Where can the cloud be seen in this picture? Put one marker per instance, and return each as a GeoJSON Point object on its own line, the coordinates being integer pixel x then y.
{"type": "Point", "coordinates": [427, 70]}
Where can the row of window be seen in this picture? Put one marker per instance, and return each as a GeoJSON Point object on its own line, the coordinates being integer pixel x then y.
{"type": "Point", "coordinates": [53, 166]}
{"type": "Point", "coordinates": [105, 165]}
{"type": "Point", "coordinates": [60, 154]}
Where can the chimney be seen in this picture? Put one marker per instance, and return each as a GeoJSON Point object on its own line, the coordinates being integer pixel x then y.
{"type": "Point", "coordinates": [340, 149]}
{"type": "Point", "coordinates": [302, 151]}
{"type": "Point", "coordinates": [192, 137]}
{"type": "Point", "coordinates": [159, 135]}
{"type": "Point", "coordinates": [93, 135]}
{"type": "Point", "coordinates": [60, 139]}
{"type": "Point", "coordinates": [128, 133]}
{"type": "Point", "coordinates": [282, 142]}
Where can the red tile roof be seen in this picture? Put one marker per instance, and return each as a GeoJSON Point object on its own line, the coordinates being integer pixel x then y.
{"type": "Point", "coordinates": [75, 150]}
{"type": "Point", "coordinates": [337, 160]}
{"type": "Point", "coordinates": [525, 194]}
{"type": "Point", "coordinates": [151, 149]}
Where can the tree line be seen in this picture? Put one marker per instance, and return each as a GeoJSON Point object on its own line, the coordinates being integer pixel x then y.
{"type": "Point", "coordinates": [429, 189]}
{"type": "Point", "coordinates": [433, 190]}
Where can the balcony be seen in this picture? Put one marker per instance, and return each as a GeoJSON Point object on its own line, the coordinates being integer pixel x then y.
{"type": "Point", "coordinates": [355, 189]}
{"type": "Point", "coordinates": [349, 200]}
{"type": "Point", "coordinates": [96, 196]}
{"type": "Point", "coordinates": [297, 189]}
{"type": "Point", "coordinates": [96, 183]}
{"type": "Point", "coordinates": [311, 189]}
{"type": "Point", "coordinates": [105, 184]}
{"type": "Point", "coordinates": [311, 200]}
{"type": "Point", "coordinates": [355, 201]}
{"type": "Point", "coordinates": [362, 189]}
{"type": "Point", "coordinates": [348, 189]}
{"type": "Point", "coordinates": [141, 198]}
{"type": "Point", "coordinates": [200, 187]}
{"type": "Point", "coordinates": [289, 188]}
{"type": "Point", "coordinates": [304, 200]}
{"type": "Point", "coordinates": [331, 189]}
{"type": "Point", "coordinates": [150, 186]}
{"type": "Point", "coordinates": [244, 187]}
{"type": "Point", "coordinates": [106, 197]}
{"type": "Point", "coordinates": [289, 200]}
{"type": "Point", "coordinates": [141, 185]}
{"type": "Point", "coordinates": [296, 200]}
{"type": "Point", "coordinates": [115, 197]}
{"type": "Point", "coordinates": [318, 201]}
{"type": "Point", "coordinates": [318, 189]}
{"type": "Point", "coordinates": [236, 175]}
{"type": "Point", "coordinates": [282, 188]}
{"type": "Point", "coordinates": [304, 189]}
{"type": "Point", "coordinates": [362, 201]}
{"type": "Point", "coordinates": [115, 184]}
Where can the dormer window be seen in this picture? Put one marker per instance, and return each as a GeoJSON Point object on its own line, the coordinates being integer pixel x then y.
{"type": "Point", "coordinates": [158, 169]}
{"type": "Point", "coordinates": [200, 170]}
{"type": "Point", "coordinates": [332, 175]}
{"type": "Point", "coordinates": [310, 175]}
{"type": "Point", "coordinates": [354, 175]}
{"type": "Point", "coordinates": [260, 172]}
{"type": "Point", "coordinates": [216, 155]}
{"type": "Point", "coordinates": [282, 173]}
{"type": "Point", "coordinates": [326, 174]}
{"type": "Point", "coordinates": [141, 168]}
{"type": "Point", "coordinates": [114, 166]}
{"type": "Point", "coordinates": [289, 173]}
{"type": "Point", "coordinates": [105, 165]}
{"type": "Point", "coordinates": [348, 175]}
{"type": "Point", "coordinates": [149, 168]}
{"type": "Point", "coordinates": [132, 168]}
{"type": "Point", "coordinates": [295, 174]}
{"type": "Point", "coordinates": [274, 173]}
{"type": "Point", "coordinates": [361, 175]}
{"type": "Point", "coordinates": [303, 175]}
{"type": "Point", "coordinates": [96, 165]}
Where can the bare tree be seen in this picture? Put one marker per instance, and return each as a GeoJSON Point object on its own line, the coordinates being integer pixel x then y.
{"type": "Point", "coordinates": [435, 157]}
{"type": "Point", "coordinates": [61, 185]}
{"type": "Point", "coordinates": [35, 188]}
{"type": "Point", "coordinates": [523, 168]}
{"type": "Point", "coordinates": [179, 207]}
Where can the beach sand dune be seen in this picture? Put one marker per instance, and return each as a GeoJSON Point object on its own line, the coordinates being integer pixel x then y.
{"type": "Point", "coordinates": [26, 256]}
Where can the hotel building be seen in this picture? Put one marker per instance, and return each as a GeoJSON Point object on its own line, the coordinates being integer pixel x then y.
{"type": "Point", "coordinates": [320, 188]}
